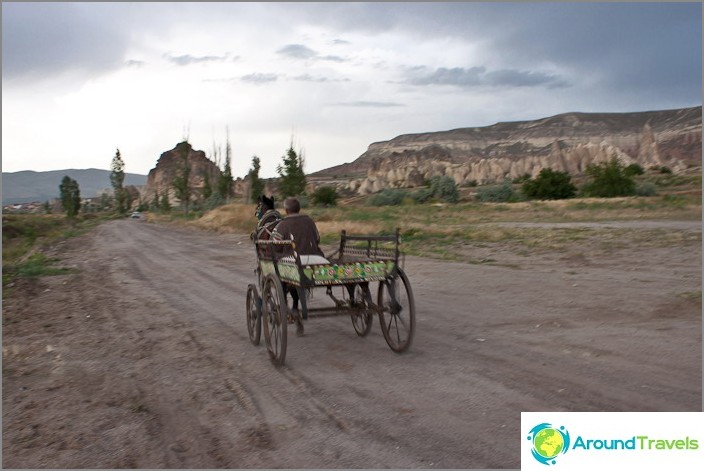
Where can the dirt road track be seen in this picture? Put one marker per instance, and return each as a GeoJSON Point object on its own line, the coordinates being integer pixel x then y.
{"type": "Point", "coordinates": [141, 358]}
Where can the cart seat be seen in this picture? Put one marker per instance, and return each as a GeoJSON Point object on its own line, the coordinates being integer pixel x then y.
{"type": "Point", "coordinates": [307, 260]}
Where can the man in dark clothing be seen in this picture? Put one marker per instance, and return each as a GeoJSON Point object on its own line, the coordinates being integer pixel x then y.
{"type": "Point", "coordinates": [302, 230]}
{"type": "Point", "coordinates": [301, 227]}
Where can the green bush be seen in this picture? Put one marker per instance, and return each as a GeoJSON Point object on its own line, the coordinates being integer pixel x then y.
{"type": "Point", "coordinates": [388, 197]}
{"type": "Point", "coordinates": [646, 189]}
{"type": "Point", "coordinates": [633, 170]}
{"type": "Point", "coordinates": [422, 195]}
{"type": "Point", "coordinates": [550, 185]}
{"type": "Point", "coordinates": [325, 196]}
{"type": "Point", "coordinates": [497, 193]}
{"type": "Point", "coordinates": [445, 189]}
{"type": "Point", "coordinates": [608, 180]}
{"type": "Point", "coordinates": [522, 179]}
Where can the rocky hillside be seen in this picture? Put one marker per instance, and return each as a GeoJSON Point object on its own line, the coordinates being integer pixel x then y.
{"type": "Point", "coordinates": [567, 142]}
{"type": "Point", "coordinates": [170, 165]}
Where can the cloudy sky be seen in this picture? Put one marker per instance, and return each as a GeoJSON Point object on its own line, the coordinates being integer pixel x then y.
{"type": "Point", "coordinates": [82, 79]}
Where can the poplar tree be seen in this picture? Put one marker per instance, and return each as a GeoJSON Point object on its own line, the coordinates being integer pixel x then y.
{"type": "Point", "coordinates": [117, 178]}
{"type": "Point", "coordinates": [70, 196]}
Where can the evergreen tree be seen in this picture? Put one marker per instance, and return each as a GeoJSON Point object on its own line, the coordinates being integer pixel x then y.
{"type": "Point", "coordinates": [70, 196]}
{"type": "Point", "coordinates": [256, 183]}
{"type": "Point", "coordinates": [293, 179]}
{"type": "Point", "coordinates": [117, 178]}
{"type": "Point", "coordinates": [224, 185]}
{"type": "Point", "coordinates": [207, 187]}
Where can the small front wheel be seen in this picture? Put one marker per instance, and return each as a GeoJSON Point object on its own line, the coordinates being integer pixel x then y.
{"type": "Point", "coordinates": [397, 312]}
{"type": "Point", "coordinates": [275, 315]}
{"type": "Point", "coordinates": [254, 315]}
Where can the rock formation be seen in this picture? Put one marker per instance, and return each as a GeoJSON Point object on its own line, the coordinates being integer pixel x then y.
{"type": "Point", "coordinates": [170, 165]}
{"type": "Point", "coordinates": [568, 142]}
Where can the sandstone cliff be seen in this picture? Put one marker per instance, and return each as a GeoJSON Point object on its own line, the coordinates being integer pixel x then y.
{"type": "Point", "coordinates": [169, 166]}
{"type": "Point", "coordinates": [567, 142]}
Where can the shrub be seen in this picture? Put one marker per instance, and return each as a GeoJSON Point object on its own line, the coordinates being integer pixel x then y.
{"type": "Point", "coordinates": [550, 185]}
{"type": "Point", "coordinates": [422, 195]}
{"type": "Point", "coordinates": [325, 196]}
{"type": "Point", "coordinates": [633, 170]}
{"type": "Point", "coordinates": [608, 180]}
{"type": "Point", "coordinates": [522, 179]}
{"type": "Point", "coordinates": [497, 193]}
{"type": "Point", "coordinates": [387, 197]}
{"type": "Point", "coordinates": [444, 188]}
{"type": "Point", "coordinates": [646, 189]}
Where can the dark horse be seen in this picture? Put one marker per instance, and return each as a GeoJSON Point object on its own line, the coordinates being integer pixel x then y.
{"type": "Point", "coordinates": [268, 218]}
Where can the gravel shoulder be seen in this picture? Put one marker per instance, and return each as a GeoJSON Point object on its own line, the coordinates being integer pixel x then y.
{"type": "Point", "coordinates": [140, 358]}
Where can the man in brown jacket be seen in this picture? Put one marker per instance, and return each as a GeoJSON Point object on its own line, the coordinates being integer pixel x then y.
{"type": "Point", "coordinates": [302, 229]}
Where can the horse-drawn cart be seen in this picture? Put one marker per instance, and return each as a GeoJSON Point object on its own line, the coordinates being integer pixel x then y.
{"type": "Point", "coordinates": [349, 271]}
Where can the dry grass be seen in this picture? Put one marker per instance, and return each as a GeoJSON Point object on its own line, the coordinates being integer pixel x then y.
{"type": "Point", "coordinates": [434, 230]}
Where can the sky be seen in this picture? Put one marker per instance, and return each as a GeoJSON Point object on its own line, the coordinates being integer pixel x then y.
{"type": "Point", "coordinates": [81, 80]}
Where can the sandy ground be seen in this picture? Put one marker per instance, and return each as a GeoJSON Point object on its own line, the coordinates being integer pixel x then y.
{"type": "Point", "coordinates": [141, 358]}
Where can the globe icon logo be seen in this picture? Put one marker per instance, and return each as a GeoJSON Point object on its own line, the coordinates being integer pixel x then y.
{"type": "Point", "coordinates": [549, 442]}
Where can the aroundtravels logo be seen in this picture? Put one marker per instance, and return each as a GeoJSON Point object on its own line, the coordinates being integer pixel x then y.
{"type": "Point", "coordinates": [549, 442]}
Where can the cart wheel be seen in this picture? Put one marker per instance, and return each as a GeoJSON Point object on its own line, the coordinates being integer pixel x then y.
{"type": "Point", "coordinates": [362, 315]}
{"type": "Point", "coordinates": [397, 312]}
{"type": "Point", "coordinates": [275, 319]}
{"type": "Point", "coordinates": [254, 315]}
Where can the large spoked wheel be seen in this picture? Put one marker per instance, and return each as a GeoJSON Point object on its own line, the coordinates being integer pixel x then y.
{"type": "Point", "coordinates": [362, 315]}
{"type": "Point", "coordinates": [275, 319]}
{"type": "Point", "coordinates": [254, 315]}
{"type": "Point", "coordinates": [397, 312]}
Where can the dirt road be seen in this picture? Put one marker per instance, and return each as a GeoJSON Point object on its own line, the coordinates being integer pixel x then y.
{"type": "Point", "coordinates": [141, 357]}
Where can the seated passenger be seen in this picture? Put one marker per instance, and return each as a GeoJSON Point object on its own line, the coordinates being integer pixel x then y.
{"type": "Point", "coordinates": [301, 227]}
{"type": "Point", "coordinates": [302, 230]}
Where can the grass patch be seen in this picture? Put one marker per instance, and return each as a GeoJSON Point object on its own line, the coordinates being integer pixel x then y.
{"type": "Point", "coordinates": [38, 264]}
{"type": "Point", "coordinates": [24, 235]}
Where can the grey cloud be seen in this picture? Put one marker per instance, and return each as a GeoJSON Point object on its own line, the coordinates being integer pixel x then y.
{"type": "Point", "coordinates": [297, 51]}
{"type": "Point", "coordinates": [310, 78]}
{"type": "Point", "coordinates": [520, 78]}
{"type": "Point", "coordinates": [369, 104]}
{"type": "Point", "coordinates": [48, 38]}
{"type": "Point", "coordinates": [259, 78]}
{"type": "Point", "coordinates": [187, 59]}
{"type": "Point", "coordinates": [135, 63]}
{"type": "Point", "coordinates": [332, 58]}
{"type": "Point", "coordinates": [340, 42]}
{"type": "Point", "coordinates": [478, 76]}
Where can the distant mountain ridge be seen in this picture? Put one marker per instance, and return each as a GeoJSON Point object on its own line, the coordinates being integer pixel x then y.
{"type": "Point", "coordinates": [28, 186]}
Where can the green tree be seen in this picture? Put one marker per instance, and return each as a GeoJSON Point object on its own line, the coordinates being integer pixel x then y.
{"type": "Point", "coordinates": [444, 188]}
{"type": "Point", "coordinates": [607, 180]}
{"type": "Point", "coordinates": [256, 183]}
{"type": "Point", "coordinates": [224, 185]}
{"type": "Point", "coordinates": [70, 196]}
{"type": "Point", "coordinates": [325, 196]}
{"type": "Point", "coordinates": [181, 181]}
{"type": "Point", "coordinates": [165, 206]}
{"type": "Point", "coordinates": [633, 170]}
{"type": "Point", "coordinates": [117, 178]}
{"type": "Point", "coordinates": [207, 187]}
{"type": "Point", "coordinates": [550, 185]}
{"type": "Point", "coordinates": [293, 179]}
